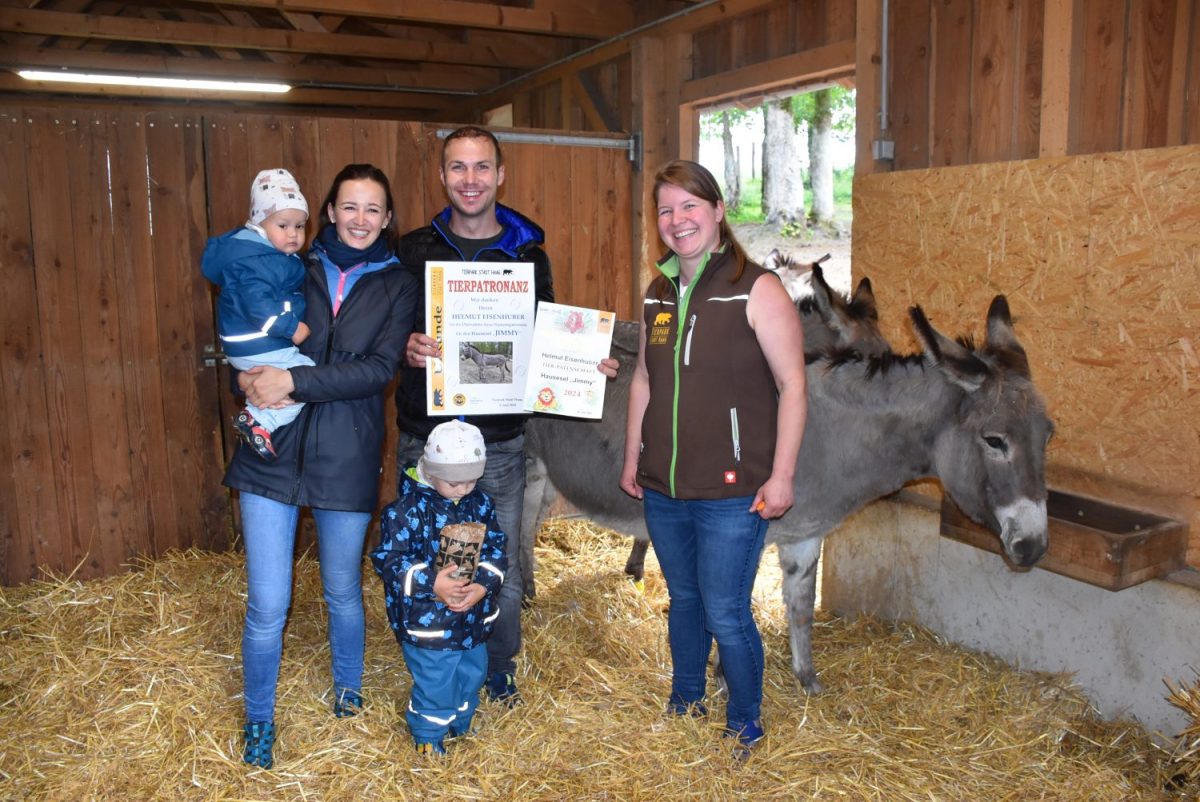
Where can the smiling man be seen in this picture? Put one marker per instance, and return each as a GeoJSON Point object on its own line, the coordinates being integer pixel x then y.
{"type": "Point", "coordinates": [474, 227]}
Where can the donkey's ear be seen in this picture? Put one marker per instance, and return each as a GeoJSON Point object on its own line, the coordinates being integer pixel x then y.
{"type": "Point", "coordinates": [822, 294]}
{"type": "Point", "coordinates": [773, 261]}
{"type": "Point", "coordinates": [1001, 339]}
{"type": "Point", "coordinates": [864, 299]}
{"type": "Point", "coordinates": [955, 362]}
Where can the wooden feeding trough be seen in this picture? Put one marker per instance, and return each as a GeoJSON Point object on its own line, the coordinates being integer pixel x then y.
{"type": "Point", "coordinates": [1090, 540]}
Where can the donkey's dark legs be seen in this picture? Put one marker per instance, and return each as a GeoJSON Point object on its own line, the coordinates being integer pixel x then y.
{"type": "Point", "coordinates": [798, 561]}
{"type": "Point", "coordinates": [635, 566]}
{"type": "Point", "coordinates": [539, 495]}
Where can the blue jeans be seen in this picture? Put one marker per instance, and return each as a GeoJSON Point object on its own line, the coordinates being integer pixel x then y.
{"type": "Point", "coordinates": [504, 480]}
{"type": "Point", "coordinates": [708, 551]}
{"type": "Point", "coordinates": [269, 534]}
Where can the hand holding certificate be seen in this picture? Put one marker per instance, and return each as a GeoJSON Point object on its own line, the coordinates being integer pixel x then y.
{"type": "Point", "coordinates": [568, 344]}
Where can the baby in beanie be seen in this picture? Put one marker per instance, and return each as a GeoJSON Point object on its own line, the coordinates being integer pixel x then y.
{"type": "Point", "coordinates": [441, 559]}
{"type": "Point", "coordinates": [260, 311]}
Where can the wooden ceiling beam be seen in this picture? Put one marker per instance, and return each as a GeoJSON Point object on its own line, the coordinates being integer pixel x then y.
{"type": "Point", "coordinates": [825, 63]}
{"type": "Point", "coordinates": [90, 26]}
{"type": "Point", "coordinates": [550, 17]}
{"type": "Point", "coordinates": [464, 79]}
{"type": "Point", "coordinates": [543, 49]}
{"type": "Point", "coordinates": [704, 16]}
{"type": "Point", "coordinates": [553, 74]}
{"type": "Point", "coordinates": [684, 23]}
{"type": "Point", "coordinates": [241, 18]}
{"type": "Point", "coordinates": [305, 22]}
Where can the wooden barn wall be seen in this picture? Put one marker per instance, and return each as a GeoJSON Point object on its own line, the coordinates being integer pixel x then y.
{"type": "Point", "coordinates": [1099, 256]}
{"type": "Point", "coordinates": [974, 81]}
{"type": "Point", "coordinates": [114, 431]}
{"type": "Point", "coordinates": [101, 393]}
{"type": "Point", "coordinates": [775, 30]}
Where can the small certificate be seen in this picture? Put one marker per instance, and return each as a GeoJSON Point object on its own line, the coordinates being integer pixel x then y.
{"type": "Point", "coordinates": [568, 344]}
{"type": "Point", "coordinates": [481, 314]}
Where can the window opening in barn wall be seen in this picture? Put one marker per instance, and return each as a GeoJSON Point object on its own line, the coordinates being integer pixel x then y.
{"type": "Point", "coordinates": [777, 143]}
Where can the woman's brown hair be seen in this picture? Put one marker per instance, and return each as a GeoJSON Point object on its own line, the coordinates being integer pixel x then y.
{"type": "Point", "coordinates": [696, 180]}
{"type": "Point", "coordinates": [360, 172]}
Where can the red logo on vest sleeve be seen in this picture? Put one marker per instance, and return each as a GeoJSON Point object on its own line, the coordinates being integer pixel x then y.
{"type": "Point", "coordinates": [731, 477]}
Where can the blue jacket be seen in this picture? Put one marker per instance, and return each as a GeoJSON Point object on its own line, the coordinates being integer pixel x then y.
{"type": "Point", "coordinates": [330, 456]}
{"type": "Point", "coordinates": [405, 560]}
{"type": "Point", "coordinates": [261, 301]}
{"type": "Point", "coordinates": [521, 242]}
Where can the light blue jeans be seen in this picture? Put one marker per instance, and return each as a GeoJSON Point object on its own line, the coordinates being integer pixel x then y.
{"type": "Point", "coordinates": [284, 358]}
{"type": "Point", "coordinates": [269, 534]}
{"type": "Point", "coordinates": [709, 551]}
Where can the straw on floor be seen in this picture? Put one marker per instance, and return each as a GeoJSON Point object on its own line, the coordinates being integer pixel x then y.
{"type": "Point", "coordinates": [128, 689]}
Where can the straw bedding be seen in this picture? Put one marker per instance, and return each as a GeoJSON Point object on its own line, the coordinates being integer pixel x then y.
{"type": "Point", "coordinates": [128, 688]}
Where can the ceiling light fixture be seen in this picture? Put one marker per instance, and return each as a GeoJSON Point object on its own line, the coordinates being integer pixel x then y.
{"type": "Point", "coordinates": [152, 81]}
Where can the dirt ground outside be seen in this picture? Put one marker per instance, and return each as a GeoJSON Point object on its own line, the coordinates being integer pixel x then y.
{"type": "Point", "coordinates": [760, 238]}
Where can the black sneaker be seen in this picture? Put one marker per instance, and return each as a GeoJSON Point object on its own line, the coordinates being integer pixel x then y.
{"type": "Point", "coordinates": [501, 687]}
{"type": "Point", "coordinates": [258, 438]}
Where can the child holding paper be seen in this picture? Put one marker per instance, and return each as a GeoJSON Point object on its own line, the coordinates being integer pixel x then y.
{"type": "Point", "coordinates": [441, 613]}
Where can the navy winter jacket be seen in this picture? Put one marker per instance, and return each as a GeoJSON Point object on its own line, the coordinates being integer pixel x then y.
{"type": "Point", "coordinates": [330, 456]}
{"type": "Point", "coordinates": [260, 302]}
{"type": "Point", "coordinates": [406, 560]}
{"type": "Point", "coordinates": [520, 242]}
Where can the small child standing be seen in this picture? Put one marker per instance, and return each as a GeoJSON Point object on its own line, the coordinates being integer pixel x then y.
{"type": "Point", "coordinates": [441, 621]}
{"type": "Point", "coordinates": [260, 312]}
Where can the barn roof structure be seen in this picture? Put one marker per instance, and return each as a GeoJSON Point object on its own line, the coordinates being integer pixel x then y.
{"type": "Point", "coordinates": [402, 58]}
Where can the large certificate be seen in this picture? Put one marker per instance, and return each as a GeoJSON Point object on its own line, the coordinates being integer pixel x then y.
{"type": "Point", "coordinates": [568, 344]}
{"type": "Point", "coordinates": [481, 314]}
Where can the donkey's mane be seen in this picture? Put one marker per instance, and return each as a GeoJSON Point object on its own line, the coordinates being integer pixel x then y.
{"type": "Point", "coordinates": [806, 305]}
{"type": "Point", "coordinates": [856, 309]}
{"type": "Point", "coordinates": [872, 365]}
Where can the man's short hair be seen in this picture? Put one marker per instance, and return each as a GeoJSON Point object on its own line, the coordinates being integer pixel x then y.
{"type": "Point", "coordinates": [472, 132]}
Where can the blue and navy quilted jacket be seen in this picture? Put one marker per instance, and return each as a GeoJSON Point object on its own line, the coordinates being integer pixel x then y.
{"type": "Point", "coordinates": [406, 557]}
{"type": "Point", "coordinates": [261, 300]}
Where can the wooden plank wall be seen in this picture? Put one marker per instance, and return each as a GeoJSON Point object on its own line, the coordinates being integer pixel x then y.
{"type": "Point", "coordinates": [114, 432]}
{"type": "Point", "coordinates": [973, 81]}
{"type": "Point", "coordinates": [1100, 259]}
{"type": "Point", "coordinates": [101, 391]}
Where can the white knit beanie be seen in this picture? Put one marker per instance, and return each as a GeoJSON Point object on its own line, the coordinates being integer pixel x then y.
{"type": "Point", "coordinates": [454, 452]}
{"type": "Point", "coordinates": [273, 191]}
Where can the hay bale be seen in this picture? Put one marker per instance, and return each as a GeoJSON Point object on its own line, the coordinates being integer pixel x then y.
{"type": "Point", "coordinates": [129, 688]}
{"type": "Point", "coordinates": [1186, 755]}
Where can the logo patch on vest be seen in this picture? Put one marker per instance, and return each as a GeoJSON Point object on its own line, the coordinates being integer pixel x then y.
{"type": "Point", "coordinates": [731, 477]}
{"type": "Point", "coordinates": [660, 331]}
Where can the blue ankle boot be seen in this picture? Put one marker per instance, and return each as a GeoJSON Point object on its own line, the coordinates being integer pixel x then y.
{"type": "Point", "coordinates": [260, 740]}
{"type": "Point", "coordinates": [347, 704]}
{"type": "Point", "coordinates": [748, 736]}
